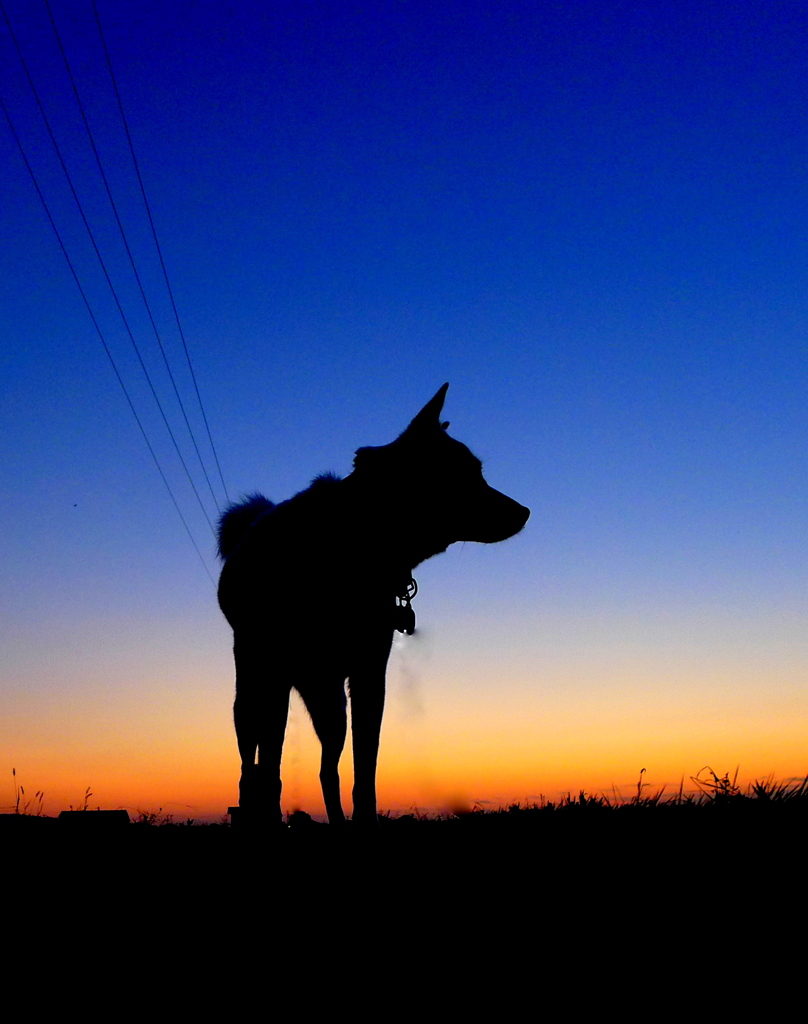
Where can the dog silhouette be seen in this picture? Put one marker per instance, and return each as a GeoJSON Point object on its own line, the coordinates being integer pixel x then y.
{"type": "Point", "coordinates": [315, 586]}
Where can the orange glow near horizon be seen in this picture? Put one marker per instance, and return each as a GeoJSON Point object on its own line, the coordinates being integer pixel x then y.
{"type": "Point", "coordinates": [459, 729]}
{"type": "Point", "coordinates": [469, 748]}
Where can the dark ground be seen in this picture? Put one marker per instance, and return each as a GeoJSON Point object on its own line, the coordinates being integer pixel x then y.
{"type": "Point", "coordinates": [557, 913]}
{"type": "Point", "coordinates": [491, 855]}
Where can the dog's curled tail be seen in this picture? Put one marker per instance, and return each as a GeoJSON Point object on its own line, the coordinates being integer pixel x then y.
{"type": "Point", "coordinates": [238, 518]}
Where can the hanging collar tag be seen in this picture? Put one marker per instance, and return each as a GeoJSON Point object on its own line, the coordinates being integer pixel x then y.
{"type": "Point", "coordinates": [404, 620]}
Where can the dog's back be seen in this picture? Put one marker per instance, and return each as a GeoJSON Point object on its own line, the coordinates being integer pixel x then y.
{"type": "Point", "coordinates": [284, 562]}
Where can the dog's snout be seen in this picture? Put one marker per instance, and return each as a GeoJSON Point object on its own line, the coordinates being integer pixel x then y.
{"type": "Point", "coordinates": [519, 516]}
{"type": "Point", "coordinates": [498, 518]}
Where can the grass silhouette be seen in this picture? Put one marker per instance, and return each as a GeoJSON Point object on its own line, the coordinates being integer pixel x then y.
{"type": "Point", "coordinates": [714, 795]}
{"type": "Point", "coordinates": [32, 805]}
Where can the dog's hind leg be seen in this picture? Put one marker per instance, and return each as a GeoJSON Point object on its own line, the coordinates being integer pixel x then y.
{"type": "Point", "coordinates": [327, 707]}
{"type": "Point", "coordinates": [260, 712]}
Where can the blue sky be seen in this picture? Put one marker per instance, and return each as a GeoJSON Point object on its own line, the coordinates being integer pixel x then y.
{"type": "Point", "coordinates": [590, 218]}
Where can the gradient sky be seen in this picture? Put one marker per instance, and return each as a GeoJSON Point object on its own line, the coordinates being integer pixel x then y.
{"type": "Point", "coordinates": [589, 217]}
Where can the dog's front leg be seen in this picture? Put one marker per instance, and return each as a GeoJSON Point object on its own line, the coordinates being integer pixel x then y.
{"type": "Point", "coordinates": [367, 708]}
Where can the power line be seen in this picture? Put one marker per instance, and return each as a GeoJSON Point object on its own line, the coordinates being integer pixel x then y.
{"type": "Point", "coordinates": [100, 332]}
{"type": "Point", "coordinates": [103, 264]}
{"type": "Point", "coordinates": [127, 247]}
{"type": "Point", "coordinates": [157, 245]}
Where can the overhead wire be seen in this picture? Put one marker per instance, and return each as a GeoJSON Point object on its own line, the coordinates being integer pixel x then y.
{"type": "Point", "coordinates": [101, 262]}
{"type": "Point", "coordinates": [157, 244]}
{"type": "Point", "coordinates": [100, 332]}
{"type": "Point", "coordinates": [108, 279]}
{"type": "Point", "coordinates": [128, 248]}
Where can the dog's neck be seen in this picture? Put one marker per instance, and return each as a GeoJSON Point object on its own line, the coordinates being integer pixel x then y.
{"type": "Point", "coordinates": [389, 524]}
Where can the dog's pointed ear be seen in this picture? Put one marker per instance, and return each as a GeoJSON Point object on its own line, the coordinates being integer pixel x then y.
{"type": "Point", "coordinates": [429, 417]}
